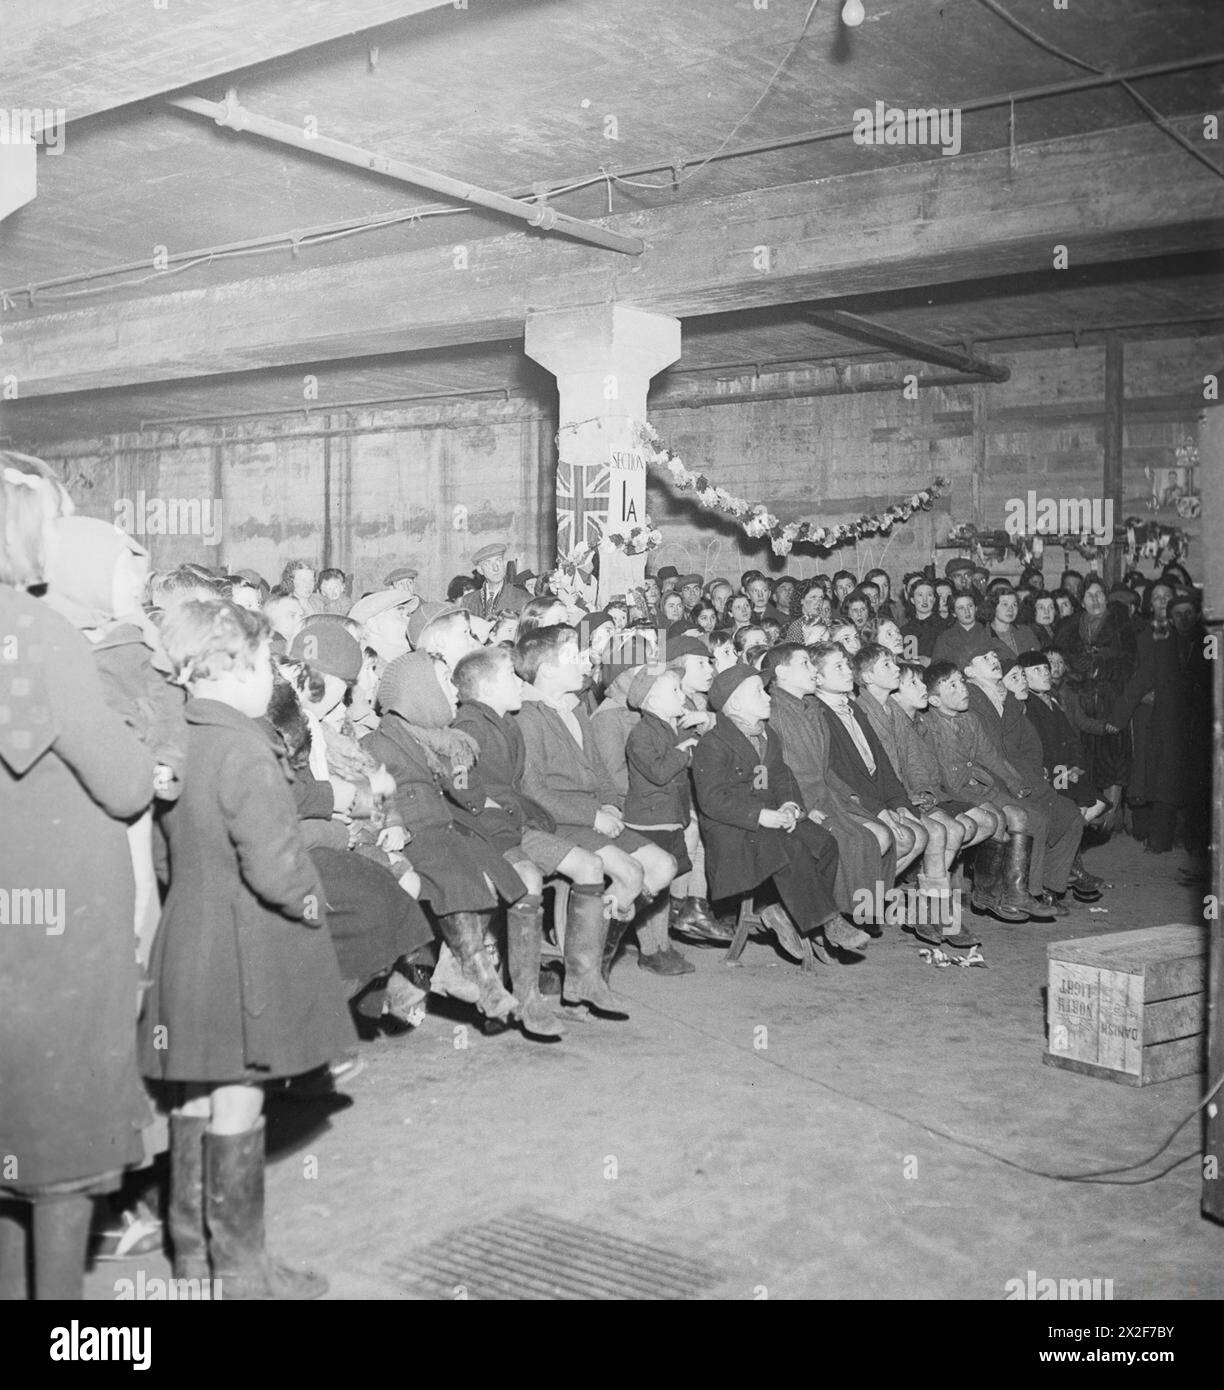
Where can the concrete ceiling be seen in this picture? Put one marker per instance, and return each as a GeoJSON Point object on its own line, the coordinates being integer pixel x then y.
{"type": "Point", "coordinates": [519, 93]}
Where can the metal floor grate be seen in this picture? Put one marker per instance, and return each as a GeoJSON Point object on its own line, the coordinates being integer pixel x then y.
{"type": "Point", "coordinates": [525, 1254]}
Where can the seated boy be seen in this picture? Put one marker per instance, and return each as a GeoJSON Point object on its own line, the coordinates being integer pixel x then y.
{"type": "Point", "coordinates": [489, 692]}
{"type": "Point", "coordinates": [754, 823]}
{"type": "Point", "coordinates": [565, 774]}
{"type": "Point", "coordinates": [974, 771]}
{"type": "Point", "coordinates": [658, 752]}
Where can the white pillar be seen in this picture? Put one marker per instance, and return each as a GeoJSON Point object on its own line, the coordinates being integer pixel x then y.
{"type": "Point", "coordinates": [603, 356]}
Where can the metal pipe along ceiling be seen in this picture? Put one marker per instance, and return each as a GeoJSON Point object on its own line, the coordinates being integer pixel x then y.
{"type": "Point", "coordinates": [229, 113]}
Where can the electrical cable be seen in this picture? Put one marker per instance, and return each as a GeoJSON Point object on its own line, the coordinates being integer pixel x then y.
{"type": "Point", "coordinates": [777, 72]}
{"type": "Point", "coordinates": [1142, 102]}
{"type": "Point", "coordinates": [1104, 1177]}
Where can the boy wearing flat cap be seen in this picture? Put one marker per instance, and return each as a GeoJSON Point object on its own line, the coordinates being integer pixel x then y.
{"type": "Point", "coordinates": [495, 595]}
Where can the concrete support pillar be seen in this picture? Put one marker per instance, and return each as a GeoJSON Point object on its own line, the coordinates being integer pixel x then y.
{"type": "Point", "coordinates": [603, 356]}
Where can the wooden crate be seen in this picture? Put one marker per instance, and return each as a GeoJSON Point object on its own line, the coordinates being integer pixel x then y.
{"type": "Point", "coordinates": [1130, 1006]}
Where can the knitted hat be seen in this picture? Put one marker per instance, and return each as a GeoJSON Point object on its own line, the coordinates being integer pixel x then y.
{"type": "Point", "coordinates": [643, 683]}
{"type": "Point", "coordinates": [328, 648]}
{"type": "Point", "coordinates": [410, 688]}
{"type": "Point", "coordinates": [425, 615]}
{"type": "Point", "coordinates": [80, 569]}
{"type": "Point", "coordinates": [727, 682]}
{"type": "Point", "coordinates": [680, 647]}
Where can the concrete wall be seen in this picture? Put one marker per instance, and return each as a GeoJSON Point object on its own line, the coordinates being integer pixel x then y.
{"type": "Point", "coordinates": [369, 490]}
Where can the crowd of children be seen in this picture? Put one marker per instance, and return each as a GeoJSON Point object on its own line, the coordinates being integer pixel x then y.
{"type": "Point", "coordinates": [252, 825]}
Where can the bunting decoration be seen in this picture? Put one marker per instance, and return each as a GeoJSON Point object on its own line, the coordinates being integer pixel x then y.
{"type": "Point", "coordinates": [758, 522]}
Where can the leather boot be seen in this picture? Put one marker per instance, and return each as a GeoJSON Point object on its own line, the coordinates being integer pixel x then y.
{"type": "Point", "coordinates": [988, 883]}
{"type": "Point", "coordinates": [586, 931]}
{"type": "Point", "coordinates": [1019, 856]}
{"type": "Point", "coordinates": [464, 934]}
{"type": "Point", "coordinates": [185, 1209]}
{"type": "Point", "coordinates": [692, 917]}
{"type": "Point", "coordinates": [1085, 886]}
{"type": "Point", "coordinates": [523, 928]}
{"type": "Point", "coordinates": [234, 1205]}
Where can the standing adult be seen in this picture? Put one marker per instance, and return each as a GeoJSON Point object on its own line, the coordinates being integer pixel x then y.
{"type": "Point", "coordinates": [495, 595]}
{"type": "Point", "coordinates": [71, 1103]}
{"type": "Point", "coordinates": [1099, 644]}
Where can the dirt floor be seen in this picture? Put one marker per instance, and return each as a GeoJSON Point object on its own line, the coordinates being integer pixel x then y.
{"type": "Point", "coordinates": [766, 1133]}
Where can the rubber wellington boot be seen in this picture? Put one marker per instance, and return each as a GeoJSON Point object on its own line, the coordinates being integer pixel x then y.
{"type": "Point", "coordinates": [464, 934]}
{"type": "Point", "coordinates": [1015, 895]}
{"type": "Point", "coordinates": [586, 931]}
{"type": "Point", "coordinates": [988, 883]}
{"type": "Point", "coordinates": [523, 928]}
{"type": "Point", "coordinates": [234, 1206]}
{"type": "Point", "coordinates": [185, 1209]}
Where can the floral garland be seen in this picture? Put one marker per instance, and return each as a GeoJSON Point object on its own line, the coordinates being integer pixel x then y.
{"type": "Point", "coordinates": [638, 540]}
{"type": "Point", "coordinates": [756, 519]}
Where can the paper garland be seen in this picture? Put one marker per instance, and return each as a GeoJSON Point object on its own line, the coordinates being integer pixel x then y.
{"type": "Point", "coordinates": [758, 522]}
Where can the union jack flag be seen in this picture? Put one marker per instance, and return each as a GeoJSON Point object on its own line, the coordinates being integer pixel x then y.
{"type": "Point", "coordinates": [583, 499]}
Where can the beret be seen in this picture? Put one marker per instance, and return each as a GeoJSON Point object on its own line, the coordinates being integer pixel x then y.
{"type": "Point", "coordinates": [328, 648]}
{"type": "Point", "coordinates": [680, 647]}
{"type": "Point", "coordinates": [642, 684]}
{"type": "Point", "coordinates": [424, 615]}
{"type": "Point", "coordinates": [727, 682]}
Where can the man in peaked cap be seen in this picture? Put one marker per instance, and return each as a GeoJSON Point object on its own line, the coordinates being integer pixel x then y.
{"type": "Point", "coordinates": [403, 577]}
{"type": "Point", "coordinates": [495, 594]}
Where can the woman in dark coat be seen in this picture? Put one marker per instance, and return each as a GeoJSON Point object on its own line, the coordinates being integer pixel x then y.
{"type": "Point", "coordinates": [1169, 700]}
{"type": "Point", "coordinates": [71, 774]}
{"type": "Point", "coordinates": [1099, 644]}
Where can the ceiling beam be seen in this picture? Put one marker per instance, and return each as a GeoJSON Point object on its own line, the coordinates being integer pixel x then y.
{"type": "Point", "coordinates": [87, 56]}
{"type": "Point", "coordinates": [880, 335]}
{"type": "Point", "coordinates": [231, 114]}
{"type": "Point", "coordinates": [1111, 196]}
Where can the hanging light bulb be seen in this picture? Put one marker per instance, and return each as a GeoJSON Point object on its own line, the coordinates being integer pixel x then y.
{"type": "Point", "coordinates": [853, 13]}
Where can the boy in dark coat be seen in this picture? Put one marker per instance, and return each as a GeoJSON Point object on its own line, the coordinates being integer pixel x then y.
{"type": "Point", "coordinates": [245, 982]}
{"type": "Point", "coordinates": [490, 691]}
{"type": "Point", "coordinates": [564, 773]}
{"type": "Point", "coordinates": [857, 758]}
{"type": "Point", "coordinates": [658, 804]}
{"type": "Point", "coordinates": [754, 823]}
{"type": "Point", "coordinates": [463, 874]}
